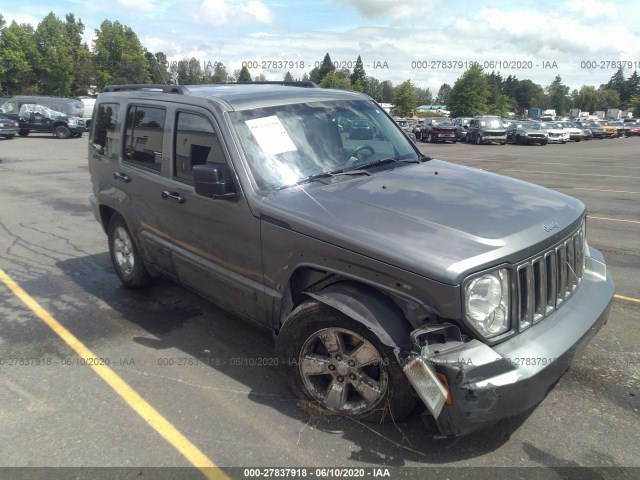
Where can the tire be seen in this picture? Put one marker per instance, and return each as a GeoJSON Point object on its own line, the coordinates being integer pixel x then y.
{"type": "Point", "coordinates": [478, 140]}
{"type": "Point", "coordinates": [338, 366]}
{"type": "Point", "coordinates": [9, 137]}
{"type": "Point", "coordinates": [429, 138]}
{"type": "Point", "coordinates": [503, 142]}
{"type": "Point", "coordinates": [76, 134]}
{"type": "Point", "coordinates": [23, 132]}
{"type": "Point", "coordinates": [543, 144]}
{"type": "Point", "coordinates": [124, 254]}
{"type": "Point", "coordinates": [62, 132]}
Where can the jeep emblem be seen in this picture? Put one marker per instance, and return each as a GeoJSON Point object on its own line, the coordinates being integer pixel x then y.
{"type": "Point", "coordinates": [550, 226]}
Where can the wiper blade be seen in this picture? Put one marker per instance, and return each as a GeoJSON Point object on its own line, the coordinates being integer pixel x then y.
{"type": "Point", "coordinates": [384, 161]}
{"type": "Point", "coordinates": [318, 176]}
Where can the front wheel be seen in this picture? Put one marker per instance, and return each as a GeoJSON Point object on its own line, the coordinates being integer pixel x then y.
{"type": "Point", "coordinates": [124, 254]}
{"type": "Point", "coordinates": [338, 365]}
{"type": "Point", "coordinates": [62, 132]}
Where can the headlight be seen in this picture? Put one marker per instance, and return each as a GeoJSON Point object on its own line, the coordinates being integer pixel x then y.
{"type": "Point", "coordinates": [73, 121]}
{"type": "Point", "coordinates": [486, 299]}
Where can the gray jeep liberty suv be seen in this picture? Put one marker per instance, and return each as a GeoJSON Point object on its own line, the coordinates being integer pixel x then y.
{"type": "Point", "coordinates": [388, 278]}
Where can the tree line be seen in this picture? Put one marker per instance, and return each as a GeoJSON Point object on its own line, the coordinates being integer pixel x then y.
{"type": "Point", "coordinates": [51, 59]}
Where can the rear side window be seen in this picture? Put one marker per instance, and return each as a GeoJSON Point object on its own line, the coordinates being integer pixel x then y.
{"type": "Point", "coordinates": [104, 128]}
{"type": "Point", "coordinates": [196, 143]}
{"type": "Point", "coordinates": [144, 136]}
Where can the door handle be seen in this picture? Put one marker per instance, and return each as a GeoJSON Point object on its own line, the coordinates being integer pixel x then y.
{"type": "Point", "coordinates": [121, 176]}
{"type": "Point", "coordinates": [173, 195]}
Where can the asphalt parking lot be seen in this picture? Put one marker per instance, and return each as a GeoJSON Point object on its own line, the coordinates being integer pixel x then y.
{"type": "Point", "coordinates": [193, 385]}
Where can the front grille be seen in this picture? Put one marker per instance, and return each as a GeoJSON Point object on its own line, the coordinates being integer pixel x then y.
{"type": "Point", "coordinates": [547, 280]}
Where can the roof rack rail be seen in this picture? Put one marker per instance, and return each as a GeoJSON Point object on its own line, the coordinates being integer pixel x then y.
{"type": "Point", "coordinates": [147, 86]}
{"type": "Point", "coordinates": [299, 83]}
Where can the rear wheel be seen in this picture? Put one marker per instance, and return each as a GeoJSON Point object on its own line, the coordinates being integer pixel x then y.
{"type": "Point", "coordinates": [124, 254]}
{"type": "Point", "coordinates": [338, 365]}
{"type": "Point", "coordinates": [23, 132]}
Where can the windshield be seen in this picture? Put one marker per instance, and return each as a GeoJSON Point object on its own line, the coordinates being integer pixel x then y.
{"type": "Point", "coordinates": [492, 123]}
{"type": "Point", "coordinates": [288, 143]}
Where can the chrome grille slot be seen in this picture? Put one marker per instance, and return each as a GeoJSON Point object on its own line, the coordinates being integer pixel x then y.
{"type": "Point", "coordinates": [544, 282]}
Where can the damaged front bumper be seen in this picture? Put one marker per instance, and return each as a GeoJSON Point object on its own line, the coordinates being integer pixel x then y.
{"type": "Point", "coordinates": [481, 384]}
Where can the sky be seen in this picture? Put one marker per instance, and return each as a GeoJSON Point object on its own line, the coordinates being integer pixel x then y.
{"type": "Point", "coordinates": [429, 42]}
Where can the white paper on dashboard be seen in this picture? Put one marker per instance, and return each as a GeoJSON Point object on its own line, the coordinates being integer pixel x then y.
{"type": "Point", "coordinates": [271, 135]}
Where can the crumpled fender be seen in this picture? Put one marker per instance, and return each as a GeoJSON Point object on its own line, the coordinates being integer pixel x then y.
{"type": "Point", "coordinates": [370, 308]}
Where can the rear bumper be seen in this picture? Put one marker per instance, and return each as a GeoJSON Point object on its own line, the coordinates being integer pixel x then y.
{"type": "Point", "coordinates": [488, 384]}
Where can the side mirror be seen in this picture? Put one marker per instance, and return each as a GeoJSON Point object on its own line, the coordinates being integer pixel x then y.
{"type": "Point", "coordinates": [210, 180]}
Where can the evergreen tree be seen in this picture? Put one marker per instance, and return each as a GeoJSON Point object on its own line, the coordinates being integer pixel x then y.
{"type": "Point", "coordinates": [244, 76]}
{"type": "Point", "coordinates": [558, 96]}
{"type": "Point", "coordinates": [325, 67]}
{"type": "Point", "coordinates": [469, 94]}
{"type": "Point", "coordinates": [358, 72]}
{"type": "Point", "coordinates": [288, 77]}
{"type": "Point", "coordinates": [632, 86]}
{"type": "Point", "coordinates": [332, 80]}
{"type": "Point", "coordinates": [119, 55]}
{"type": "Point", "coordinates": [445, 88]}
{"type": "Point", "coordinates": [18, 57]}
{"type": "Point", "coordinates": [55, 69]}
{"type": "Point", "coordinates": [404, 99]}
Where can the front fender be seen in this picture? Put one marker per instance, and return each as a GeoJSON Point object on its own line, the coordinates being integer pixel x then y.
{"type": "Point", "coordinates": [370, 308]}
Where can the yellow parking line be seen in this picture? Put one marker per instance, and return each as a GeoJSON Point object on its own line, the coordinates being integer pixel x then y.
{"type": "Point", "coordinates": [628, 299]}
{"type": "Point", "coordinates": [128, 394]}
{"type": "Point", "coordinates": [613, 219]}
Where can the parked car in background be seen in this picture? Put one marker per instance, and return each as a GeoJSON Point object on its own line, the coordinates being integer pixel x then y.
{"type": "Point", "coordinates": [621, 127]}
{"type": "Point", "coordinates": [462, 125]}
{"type": "Point", "coordinates": [576, 134]}
{"type": "Point", "coordinates": [556, 134]}
{"type": "Point", "coordinates": [361, 128]}
{"type": "Point", "coordinates": [526, 132]}
{"type": "Point", "coordinates": [33, 117]}
{"type": "Point", "coordinates": [486, 129]}
{"type": "Point", "coordinates": [8, 127]}
{"type": "Point", "coordinates": [438, 129]}
{"type": "Point", "coordinates": [69, 106]}
{"type": "Point", "coordinates": [610, 130]}
{"type": "Point", "coordinates": [595, 128]}
{"type": "Point", "coordinates": [634, 129]}
{"type": "Point", "coordinates": [88, 103]}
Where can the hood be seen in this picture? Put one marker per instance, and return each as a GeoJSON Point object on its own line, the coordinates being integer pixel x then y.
{"type": "Point", "coordinates": [435, 219]}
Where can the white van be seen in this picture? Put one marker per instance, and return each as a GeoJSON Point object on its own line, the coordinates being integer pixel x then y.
{"type": "Point", "coordinates": [88, 102]}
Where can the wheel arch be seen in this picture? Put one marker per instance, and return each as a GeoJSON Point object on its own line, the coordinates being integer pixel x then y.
{"type": "Point", "coordinates": [369, 306]}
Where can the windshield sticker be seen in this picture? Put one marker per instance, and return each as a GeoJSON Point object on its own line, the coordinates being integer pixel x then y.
{"type": "Point", "coordinates": [271, 135]}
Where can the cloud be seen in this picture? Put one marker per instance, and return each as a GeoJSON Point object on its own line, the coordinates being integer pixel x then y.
{"type": "Point", "coordinates": [138, 5]}
{"type": "Point", "coordinates": [391, 10]}
{"type": "Point", "coordinates": [593, 9]}
{"type": "Point", "coordinates": [232, 13]}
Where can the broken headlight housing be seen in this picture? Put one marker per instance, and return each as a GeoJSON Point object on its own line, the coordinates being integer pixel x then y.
{"type": "Point", "coordinates": [486, 302]}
